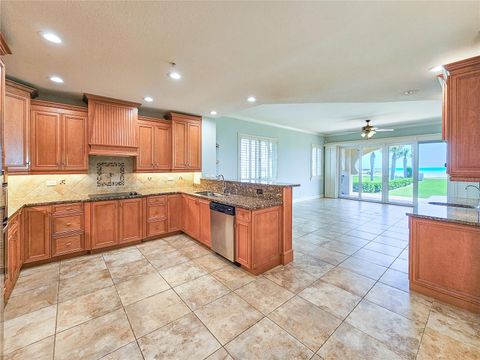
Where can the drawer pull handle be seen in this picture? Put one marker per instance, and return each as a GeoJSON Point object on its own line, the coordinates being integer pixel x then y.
{"type": "Point", "coordinates": [69, 224]}
{"type": "Point", "coordinates": [68, 244]}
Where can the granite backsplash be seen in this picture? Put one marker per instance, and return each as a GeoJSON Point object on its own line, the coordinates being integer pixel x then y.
{"type": "Point", "coordinates": [268, 192]}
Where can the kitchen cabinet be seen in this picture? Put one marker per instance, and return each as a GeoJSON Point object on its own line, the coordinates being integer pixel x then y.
{"type": "Point", "coordinates": [258, 239]}
{"type": "Point", "coordinates": [104, 223]}
{"type": "Point", "coordinates": [243, 241]}
{"type": "Point", "coordinates": [113, 128]}
{"type": "Point", "coordinates": [131, 220]}
{"type": "Point", "coordinates": [16, 133]}
{"type": "Point", "coordinates": [157, 215]}
{"type": "Point", "coordinates": [58, 138]}
{"type": "Point", "coordinates": [68, 229]}
{"type": "Point", "coordinates": [191, 216]}
{"type": "Point", "coordinates": [37, 239]}
{"type": "Point", "coordinates": [186, 142]}
{"type": "Point", "coordinates": [461, 127]}
{"type": "Point", "coordinates": [204, 222]}
{"type": "Point", "coordinates": [14, 254]}
{"type": "Point", "coordinates": [175, 213]}
{"type": "Point", "coordinates": [155, 148]}
{"type": "Point", "coordinates": [444, 261]}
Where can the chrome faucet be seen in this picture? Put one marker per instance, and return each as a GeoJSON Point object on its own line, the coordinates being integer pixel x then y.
{"type": "Point", "coordinates": [478, 188]}
{"type": "Point", "coordinates": [224, 186]}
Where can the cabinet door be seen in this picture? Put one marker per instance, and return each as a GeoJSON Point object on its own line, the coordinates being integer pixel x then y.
{"type": "Point", "coordinates": [192, 223]}
{"type": "Point", "coordinates": [175, 213]}
{"type": "Point", "coordinates": [74, 150]}
{"type": "Point", "coordinates": [162, 151]}
{"type": "Point", "coordinates": [104, 224]}
{"type": "Point", "coordinates": [37, 233]}
{"type": "Point", "coordinates": [194, 146]}
{"type": "Point", "coordinates": [179, 135]}
{"type": "Point", "coordinates": [243, 243]}
{"type": "Point", "coordinates": [204, 222]}
{"type": "Point", "coordinates": [463, 126]}
{"type": "Point", "coordinates": [266, 237]}
{"type": "Point", "coordinates": [45, 140]}
{"type": "Point", "coordinates": [145, 147]}
{"type": "Point", "coordinates": [17, 131]}
{"type": "Point", "coordinates": [131, 220]}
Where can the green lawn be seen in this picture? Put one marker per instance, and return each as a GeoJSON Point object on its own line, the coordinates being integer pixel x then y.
{"type": "Point", "coordinates": [426, 188]}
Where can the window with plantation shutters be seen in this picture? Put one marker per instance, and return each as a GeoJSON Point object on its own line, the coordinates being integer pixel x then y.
{"type": "Point", "coordinates": [257, 158]}
{"type": "Point", "coordinates": [316, 167]}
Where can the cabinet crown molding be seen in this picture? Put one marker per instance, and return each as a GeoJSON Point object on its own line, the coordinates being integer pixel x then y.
{"type": "Point", "coordinates": [52, 104]}
{"type": "Point", "coordinates": [90, 97]}
{"type": "Point", "coordinates": [10, 84]}
{"type": "Point", "coordinates": [179, 116]}
{"type": "Point", "coordinates": [474, 61]}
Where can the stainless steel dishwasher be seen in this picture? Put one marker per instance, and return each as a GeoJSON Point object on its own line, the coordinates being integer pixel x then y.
{"type": "Point", "coordinates": [222, 221]}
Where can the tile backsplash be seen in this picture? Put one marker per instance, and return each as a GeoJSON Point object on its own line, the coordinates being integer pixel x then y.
{"type": "Point", "coordinates": [106, 174]}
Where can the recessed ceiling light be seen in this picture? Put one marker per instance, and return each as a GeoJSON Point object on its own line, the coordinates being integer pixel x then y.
{"type": "Point", "coordinates": [148, 98]}
{"type": "Point", "coordinates": [56, 79]}
{"type": "Point", "coordinates": [251, 99]}
{"type": "Point", "coordinates": [173, 73]}
{"type": "Point", "coordinates": [410, 92]}
{"type": "Point", "coordinates": [53, 38]}
{"type": "Point", "coordinates": [213, 112]}
{"type": "Point", "coordinates": [437, 69]}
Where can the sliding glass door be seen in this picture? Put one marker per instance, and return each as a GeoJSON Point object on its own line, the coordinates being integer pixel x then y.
{"type": "Point", "coordinates": [400, 173]}
{"type": "Point", "coordinates": [372, 173]}
{"type": "Point", "coordinates": [349, 173]}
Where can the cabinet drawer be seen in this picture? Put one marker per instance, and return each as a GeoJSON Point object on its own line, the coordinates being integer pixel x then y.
{"type": "Point", "coordinates": [157, 227]}
{"type": "Point", "coordinates": [68, 208]}
{"type": "Point", "coordinates": [157, 200]}
{"type": "Point", "coordinates": [156, 211]}
{"type": "Point", "coordinates": [67, 223]}
{"type": "Point", "coordinates": [243, 215]}
{"type": "Point", "coordinates": [68, 244]}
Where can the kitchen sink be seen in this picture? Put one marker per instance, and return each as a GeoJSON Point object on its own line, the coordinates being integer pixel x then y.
{"type": "Point", "coordinates": [464, 206]}
{"type": "Point", "coordinates": [209, 193]}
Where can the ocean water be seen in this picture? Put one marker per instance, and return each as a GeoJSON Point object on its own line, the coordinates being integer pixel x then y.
{"type": "Point", "coordinates": [428, 172]}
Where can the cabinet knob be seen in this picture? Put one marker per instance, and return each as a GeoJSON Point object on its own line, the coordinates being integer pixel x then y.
{"type": "Point", "coordinates": [69, 224]}
{"type": "Point", "coordinates": [68, 244]}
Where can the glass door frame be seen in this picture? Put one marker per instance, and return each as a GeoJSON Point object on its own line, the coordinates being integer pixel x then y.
{"type": "Point", "coordinates": [384, 146]}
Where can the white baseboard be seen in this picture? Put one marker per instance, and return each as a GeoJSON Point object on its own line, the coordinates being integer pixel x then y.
{"type": "Point", "coordinates": [308, 198]}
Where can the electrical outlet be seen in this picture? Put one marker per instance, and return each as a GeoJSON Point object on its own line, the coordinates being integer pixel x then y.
{"type": "Point", "coordinates": [51, 183]}
{"type": "Point", "coordinates": [170, 178]}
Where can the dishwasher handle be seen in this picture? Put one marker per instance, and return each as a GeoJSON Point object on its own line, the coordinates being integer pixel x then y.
{"type": "Point", "coordinates": [226, 209]}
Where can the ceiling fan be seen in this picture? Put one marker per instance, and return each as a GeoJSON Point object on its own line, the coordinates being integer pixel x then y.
{"type": "Point", "coordinates": [368, 130]}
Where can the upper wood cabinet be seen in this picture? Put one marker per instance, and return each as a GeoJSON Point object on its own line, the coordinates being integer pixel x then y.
{"type": "Point", "coordinates": [37, 233]}
{"type": "Point", "coordinates": [186, 141]}
{"type": "Point", "coordinates": [16, 134]}
{"type": "Point", "coordinates": [461, 124]}
{"type": "Point", "coordinates": [113, 128]}
{"type": "Point", "coordinates": [58, 138]}
{"type": "Point", "coordinates": [155, 146]}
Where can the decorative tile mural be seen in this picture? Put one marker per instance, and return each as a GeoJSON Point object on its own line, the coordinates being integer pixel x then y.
{"type": "Point", "coordinates": [110, 173]}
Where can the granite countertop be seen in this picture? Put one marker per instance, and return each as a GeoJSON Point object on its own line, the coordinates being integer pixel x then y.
{"type": "Point", "coordinates": [459, 215]}
{"type": "Point", "coordinates": [244, 202]}
{"type": "Point", "coordinates": [257, 182]}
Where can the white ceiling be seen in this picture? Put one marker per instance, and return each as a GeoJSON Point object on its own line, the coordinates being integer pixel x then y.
{"type": "Point", "coordinates": [298, 53]}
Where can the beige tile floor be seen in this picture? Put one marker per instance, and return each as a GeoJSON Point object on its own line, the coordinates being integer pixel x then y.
{"type": "Point", "coordinates": [344, 297]}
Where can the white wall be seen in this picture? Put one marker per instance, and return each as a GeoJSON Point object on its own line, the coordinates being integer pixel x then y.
{"type": "Point", "coordinates": [209, 140]}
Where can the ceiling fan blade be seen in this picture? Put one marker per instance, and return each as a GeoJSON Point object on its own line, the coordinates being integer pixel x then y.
{"type": "Point", "coordinates": [384, 130]}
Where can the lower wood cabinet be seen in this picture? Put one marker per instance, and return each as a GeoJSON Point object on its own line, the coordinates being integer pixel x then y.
{"type": "Point", "coordinates": [14, 254]}
{"type": "Point", "coordinates": [175, 212]}
{"type": "Point", "coordinates": [157, 215]}
{"type": "Point", "coordinates": [37, 244]}
{"type": "Point", "coordinates": [131, 222]}
{"type": "Point", "coordinates": [68, 229]}
{"type": "Point", "coordinates": [104, 224]}
{"type": "Point", "coordinates": [191, 216]}
{"type": "Point", "coordinates": [444, 262]}
{"type": "Point", "coordinates": [258, 239]}
{"type": "Point", "coordinates": [204, 222]}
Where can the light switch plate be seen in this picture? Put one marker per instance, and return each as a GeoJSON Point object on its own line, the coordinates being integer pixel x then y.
{"type": "Point", "coordinates": [51, 182]}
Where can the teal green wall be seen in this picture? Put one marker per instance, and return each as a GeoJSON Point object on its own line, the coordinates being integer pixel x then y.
{"type": "Point", "coordinates": [407, 131]}
{"type": "Point", "coordinates": [294, 153]}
